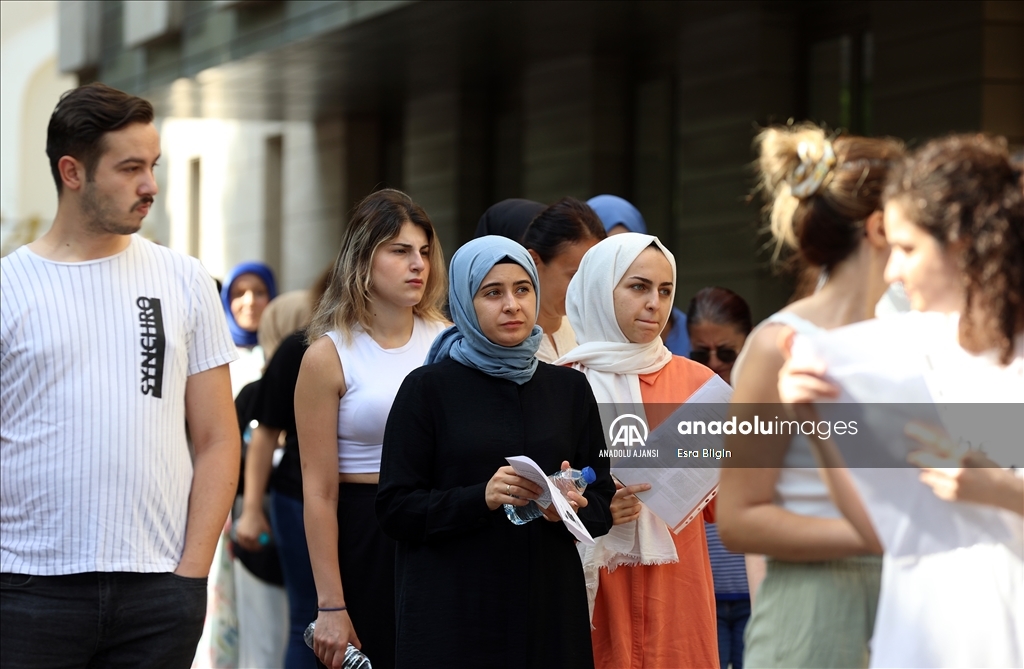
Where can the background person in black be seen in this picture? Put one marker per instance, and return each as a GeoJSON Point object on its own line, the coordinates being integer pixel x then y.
{"type": "Point", "coordinates": [274, 409]}
{"type": "Point", "coordinates": [282, 330]}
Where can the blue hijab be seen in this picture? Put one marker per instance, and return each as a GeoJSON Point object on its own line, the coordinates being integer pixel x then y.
{"type": "Point", "coordinates": [238, 335]}
{"type": "Point", "coordinates": [613, 210]}
{"type": "Point", "coordinates": [464, 342]}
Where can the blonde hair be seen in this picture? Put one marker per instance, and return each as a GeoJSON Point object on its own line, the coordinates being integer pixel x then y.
{"type": "Point", "coordinates": [820, 190]}
{"type": "Point", "coordinates": [377, 220]}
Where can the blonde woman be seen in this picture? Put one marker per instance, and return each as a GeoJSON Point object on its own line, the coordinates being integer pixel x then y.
{"type": "Point", "coordinates": [374, 324]}
{"type": "Point", "coordinates": [816, 605]}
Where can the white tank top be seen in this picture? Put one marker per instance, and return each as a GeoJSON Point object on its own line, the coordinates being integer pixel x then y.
{"type": "Point", "coordinates": [800, 489]}
{"type": "Point", "coordinates": [564, 341]}
{"type": "Point", "coordinates": [372, 378]}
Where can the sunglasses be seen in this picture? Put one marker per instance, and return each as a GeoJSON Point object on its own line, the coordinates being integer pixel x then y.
{"type": "Point", "coordinates": [703, 355]}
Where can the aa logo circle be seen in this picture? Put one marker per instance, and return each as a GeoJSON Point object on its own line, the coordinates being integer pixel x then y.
{"type": "Point", "coordinates": [629, 431]}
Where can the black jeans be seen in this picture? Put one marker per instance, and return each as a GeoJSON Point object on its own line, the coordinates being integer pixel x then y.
{"type": "Point", "coordinates": [100, 619]}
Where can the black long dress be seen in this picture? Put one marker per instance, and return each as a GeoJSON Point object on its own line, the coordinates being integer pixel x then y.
{"type": "Point", "coordinates": [472, 589]}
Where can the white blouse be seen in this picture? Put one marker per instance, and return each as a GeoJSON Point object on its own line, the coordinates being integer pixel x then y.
{"type": "Point", "coordinates": [962, 607]}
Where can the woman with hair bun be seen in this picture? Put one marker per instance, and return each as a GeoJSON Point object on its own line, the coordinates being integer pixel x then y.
{"type": "Point", "coordinates": [556, 240]}
{"type": "Point", "coordinates": [816, 605]}
{"type": "Point", "coordinates": [954, 215]}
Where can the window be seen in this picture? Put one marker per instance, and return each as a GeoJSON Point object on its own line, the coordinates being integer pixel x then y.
{"type": "Point", "coordinates": [840, 70]}
{"type": "Point", "coordinates": [273, 210]}
{"type": "Point", "coordinates": [194, 197]}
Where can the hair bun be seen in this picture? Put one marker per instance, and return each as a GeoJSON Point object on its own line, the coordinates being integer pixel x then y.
{"type": "Point", "coordinates": [821, 190]}
{"type": "Point", "coordinates": [807, 177]}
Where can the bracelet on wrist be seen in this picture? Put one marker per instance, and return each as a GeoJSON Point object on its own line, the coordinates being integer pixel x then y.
{"type": "Point", "coordinates": [323, 609]}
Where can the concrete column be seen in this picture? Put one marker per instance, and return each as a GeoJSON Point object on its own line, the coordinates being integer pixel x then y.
{"type": "Point", "coordinates": [725, 83]}
{"type": "Point", "coordinates": [315, 209]}
{"type": "Point", "coordinates": [430, 170]}
{"type": "Point", "coordinates": [574, 118]}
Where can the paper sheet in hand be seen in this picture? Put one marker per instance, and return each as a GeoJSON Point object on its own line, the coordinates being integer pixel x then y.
{"type": "Point", "coordinates": [679, 494]}
{"type": "Point", "coordinates": [880, 367]}
{"type": "Point", "coordinates": [528, 469]}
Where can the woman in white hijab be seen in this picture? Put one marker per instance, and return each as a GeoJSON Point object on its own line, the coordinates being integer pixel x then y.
{"type": "Point", "coordinates": [654, 604]}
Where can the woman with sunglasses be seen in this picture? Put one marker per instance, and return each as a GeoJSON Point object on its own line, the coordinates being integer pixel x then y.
{"type": "Point", "coordinates": [816, 605]}
{"type": "Point", "coordinates": [718, 322]}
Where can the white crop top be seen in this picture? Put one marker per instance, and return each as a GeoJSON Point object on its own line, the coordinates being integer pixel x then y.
{"type": "Point", "coordinates": [372, 378]}
{"type": "Point", "coordinates": [800, 489]}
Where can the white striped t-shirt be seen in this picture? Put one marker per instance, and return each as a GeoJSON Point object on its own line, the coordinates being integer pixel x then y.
{"type": "Point", "coordinates": [96, 472]}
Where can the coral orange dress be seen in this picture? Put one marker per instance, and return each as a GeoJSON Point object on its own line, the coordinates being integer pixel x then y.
{"type": "Point", "coordinates": [661, 616]}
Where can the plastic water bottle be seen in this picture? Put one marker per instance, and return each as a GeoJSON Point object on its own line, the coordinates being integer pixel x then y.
{"type": "Point", "coordinates": [565, 480]}
{"type": "Point", "coordinates": [354, 658]}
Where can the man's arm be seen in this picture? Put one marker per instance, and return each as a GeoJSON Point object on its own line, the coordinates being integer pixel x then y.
{"type": "Point", "coordinates": [210, 413]}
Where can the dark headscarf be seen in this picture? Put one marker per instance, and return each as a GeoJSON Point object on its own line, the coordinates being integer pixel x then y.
{"type": "Point", "coordinates": [509, 218]}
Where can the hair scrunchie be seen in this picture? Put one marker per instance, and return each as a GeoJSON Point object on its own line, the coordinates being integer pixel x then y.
{"type": "Point", "coordinates": [807, 178]}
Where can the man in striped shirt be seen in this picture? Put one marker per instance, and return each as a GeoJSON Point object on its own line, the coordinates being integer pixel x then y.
{"type": "Point", "coordinates": [109, 344]}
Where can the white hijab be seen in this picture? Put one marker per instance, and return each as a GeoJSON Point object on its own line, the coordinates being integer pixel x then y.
{"type": "Point", "coordinates": [613, 364]}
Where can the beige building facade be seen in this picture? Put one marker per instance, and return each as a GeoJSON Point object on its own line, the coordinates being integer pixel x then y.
{"type": "Point", "coordinates": [30, 85]}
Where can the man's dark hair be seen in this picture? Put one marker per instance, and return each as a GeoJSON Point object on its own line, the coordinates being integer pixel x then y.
{"type": "Point", "coordinates": [81, 119]}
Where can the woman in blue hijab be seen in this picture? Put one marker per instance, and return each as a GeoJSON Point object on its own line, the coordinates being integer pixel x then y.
{"type": "Point", "coordinates": [254, 576]}
{"type": "Point", "coordinates": [250, 286]}
{"type": "Point", "coordinates": [472, 589]}
{"type": "Point", "coordinates": [248, 289]}
{"type": "Point", "coordinates": [617, 214]}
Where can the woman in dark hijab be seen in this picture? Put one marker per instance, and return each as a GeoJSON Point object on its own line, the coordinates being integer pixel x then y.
{"type": "Point", "coordinates": [508, 218]}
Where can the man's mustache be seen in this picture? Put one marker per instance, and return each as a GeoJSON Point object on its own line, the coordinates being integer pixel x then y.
{"type": "Point", "coordinates": [142, 202]}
